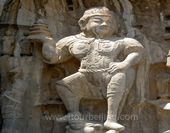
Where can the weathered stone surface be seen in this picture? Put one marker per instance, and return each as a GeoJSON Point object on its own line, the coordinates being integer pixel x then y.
{"type": "Point", "coordinates": [8, 44]}
{"type": "Point", "coordinates": [40, 104]}
{"type": "Point", "coordinates": [96, 49]}
{"type": "Point", "coordinates": [146, 120]}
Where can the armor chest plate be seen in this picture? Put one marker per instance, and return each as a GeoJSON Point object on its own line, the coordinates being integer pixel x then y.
{"type": "Point", "coordinates": [106, 47]}
{"type": "Point", "coordinates": [80, 48]}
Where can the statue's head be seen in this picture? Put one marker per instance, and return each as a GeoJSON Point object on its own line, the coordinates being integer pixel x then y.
{"type": "Point", "coordinates": [99, 21]}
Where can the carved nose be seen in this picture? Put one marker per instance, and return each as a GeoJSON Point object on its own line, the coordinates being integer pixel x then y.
{"type": "Point", "coordinates": [104, 24]}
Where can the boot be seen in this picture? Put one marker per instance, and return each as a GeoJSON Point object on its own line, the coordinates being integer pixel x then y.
{"type": "Point", "coordinates": [71, 102]}
{"type": "Point", "coordinates": [113, 102]}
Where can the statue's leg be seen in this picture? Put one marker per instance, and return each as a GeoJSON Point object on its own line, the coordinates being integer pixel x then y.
{"type": "Point", "coordinates": [70, 100]}
{"type": "Point", "coordinates": [69, 90]}
{"type": "Point", "coordinates": [117, 90]}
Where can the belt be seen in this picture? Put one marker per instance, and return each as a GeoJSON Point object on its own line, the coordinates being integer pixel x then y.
{"type": "Point", "coordinates": [92, 70]}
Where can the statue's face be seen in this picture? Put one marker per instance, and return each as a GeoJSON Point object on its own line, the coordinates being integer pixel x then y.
{"type": "Point", "coordinates": [101, 26]}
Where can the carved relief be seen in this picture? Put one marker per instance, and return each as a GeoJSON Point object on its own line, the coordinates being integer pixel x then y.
{"type": "Point", "coordinates": [97, 75]}
{"type": "Point", "coordinates": [26, 48]}
{"type": "Point", "coordinates": [94, 128]}
{"type": "Point", "coordinates": [162, 83]}
{"type": "Point", "coordinates": [12, 102]}
{"type": "Point", "coordinates": [75, 126]}
{"type": "Point", "coordinates": [8, 44]}
{"type": "Point", "coordinates": [102, 73]}
{"type": "Point", "coordinates": [159, 82]}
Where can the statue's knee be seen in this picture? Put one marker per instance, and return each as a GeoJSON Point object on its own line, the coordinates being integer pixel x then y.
{"type": "Point", "coordinates": [121, 81]}
{"type": "Point", "coordinates": [61, 87]}
{"type": "Point", "coordinates": [117, 81]}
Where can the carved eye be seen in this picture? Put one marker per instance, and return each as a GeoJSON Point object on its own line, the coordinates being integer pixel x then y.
{"type": "Point", "coordinates": [97, 20]}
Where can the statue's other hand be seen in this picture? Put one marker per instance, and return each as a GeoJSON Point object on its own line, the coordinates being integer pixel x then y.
{"type": "Point", "coordinates": [117, 66]}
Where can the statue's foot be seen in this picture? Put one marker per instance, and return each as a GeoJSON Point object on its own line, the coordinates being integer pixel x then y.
{"type": "Point", "coordinates": [113, 126]}
{"type": "Point", "coordinates": [69, 116]}
{"type": "Point", "coordinates": [112, 131]}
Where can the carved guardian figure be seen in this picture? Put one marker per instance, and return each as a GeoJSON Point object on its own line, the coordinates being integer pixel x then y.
{"type": "Point", "coordinates": [108, 63]}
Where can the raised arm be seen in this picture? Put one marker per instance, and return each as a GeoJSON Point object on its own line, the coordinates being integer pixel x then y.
{"type": "Point", "coordinates": [57, 52]}
{"type": "Point", "coordinates": [53, 52]}
{"type": "Point", "coordinates": [48, 49]}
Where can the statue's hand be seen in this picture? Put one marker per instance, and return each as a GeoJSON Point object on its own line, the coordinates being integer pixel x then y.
{"type": "Point", "coordinates": [117, 66]}
{"type": "Point", "coordinates": [168, 60]}
{"type": "Point", "coordinates": [40, 38]}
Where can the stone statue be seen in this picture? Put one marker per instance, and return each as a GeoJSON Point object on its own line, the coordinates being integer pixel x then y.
{"type": "Point", "coordinates": [75, 126]}
{"type": "Point", "coordinates": [108, 63]}
{"type": "Point", "coordinates": [168, 60]}
{"type": "Point", "coordinates": [8, 44]}
{"type": "Point", "coordinates": [93, 128]}
{"type": "Point", "coordinates": [12, 102]}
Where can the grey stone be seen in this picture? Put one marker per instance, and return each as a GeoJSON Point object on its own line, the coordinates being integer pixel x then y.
{"type": "Point", "coordinates": [34, 80]}
{"type": "Point", "coordinates": [101, 67]}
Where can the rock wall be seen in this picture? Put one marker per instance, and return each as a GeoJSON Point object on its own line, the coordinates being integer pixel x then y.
{"type": "Point", "coordinates": [28, 93]}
